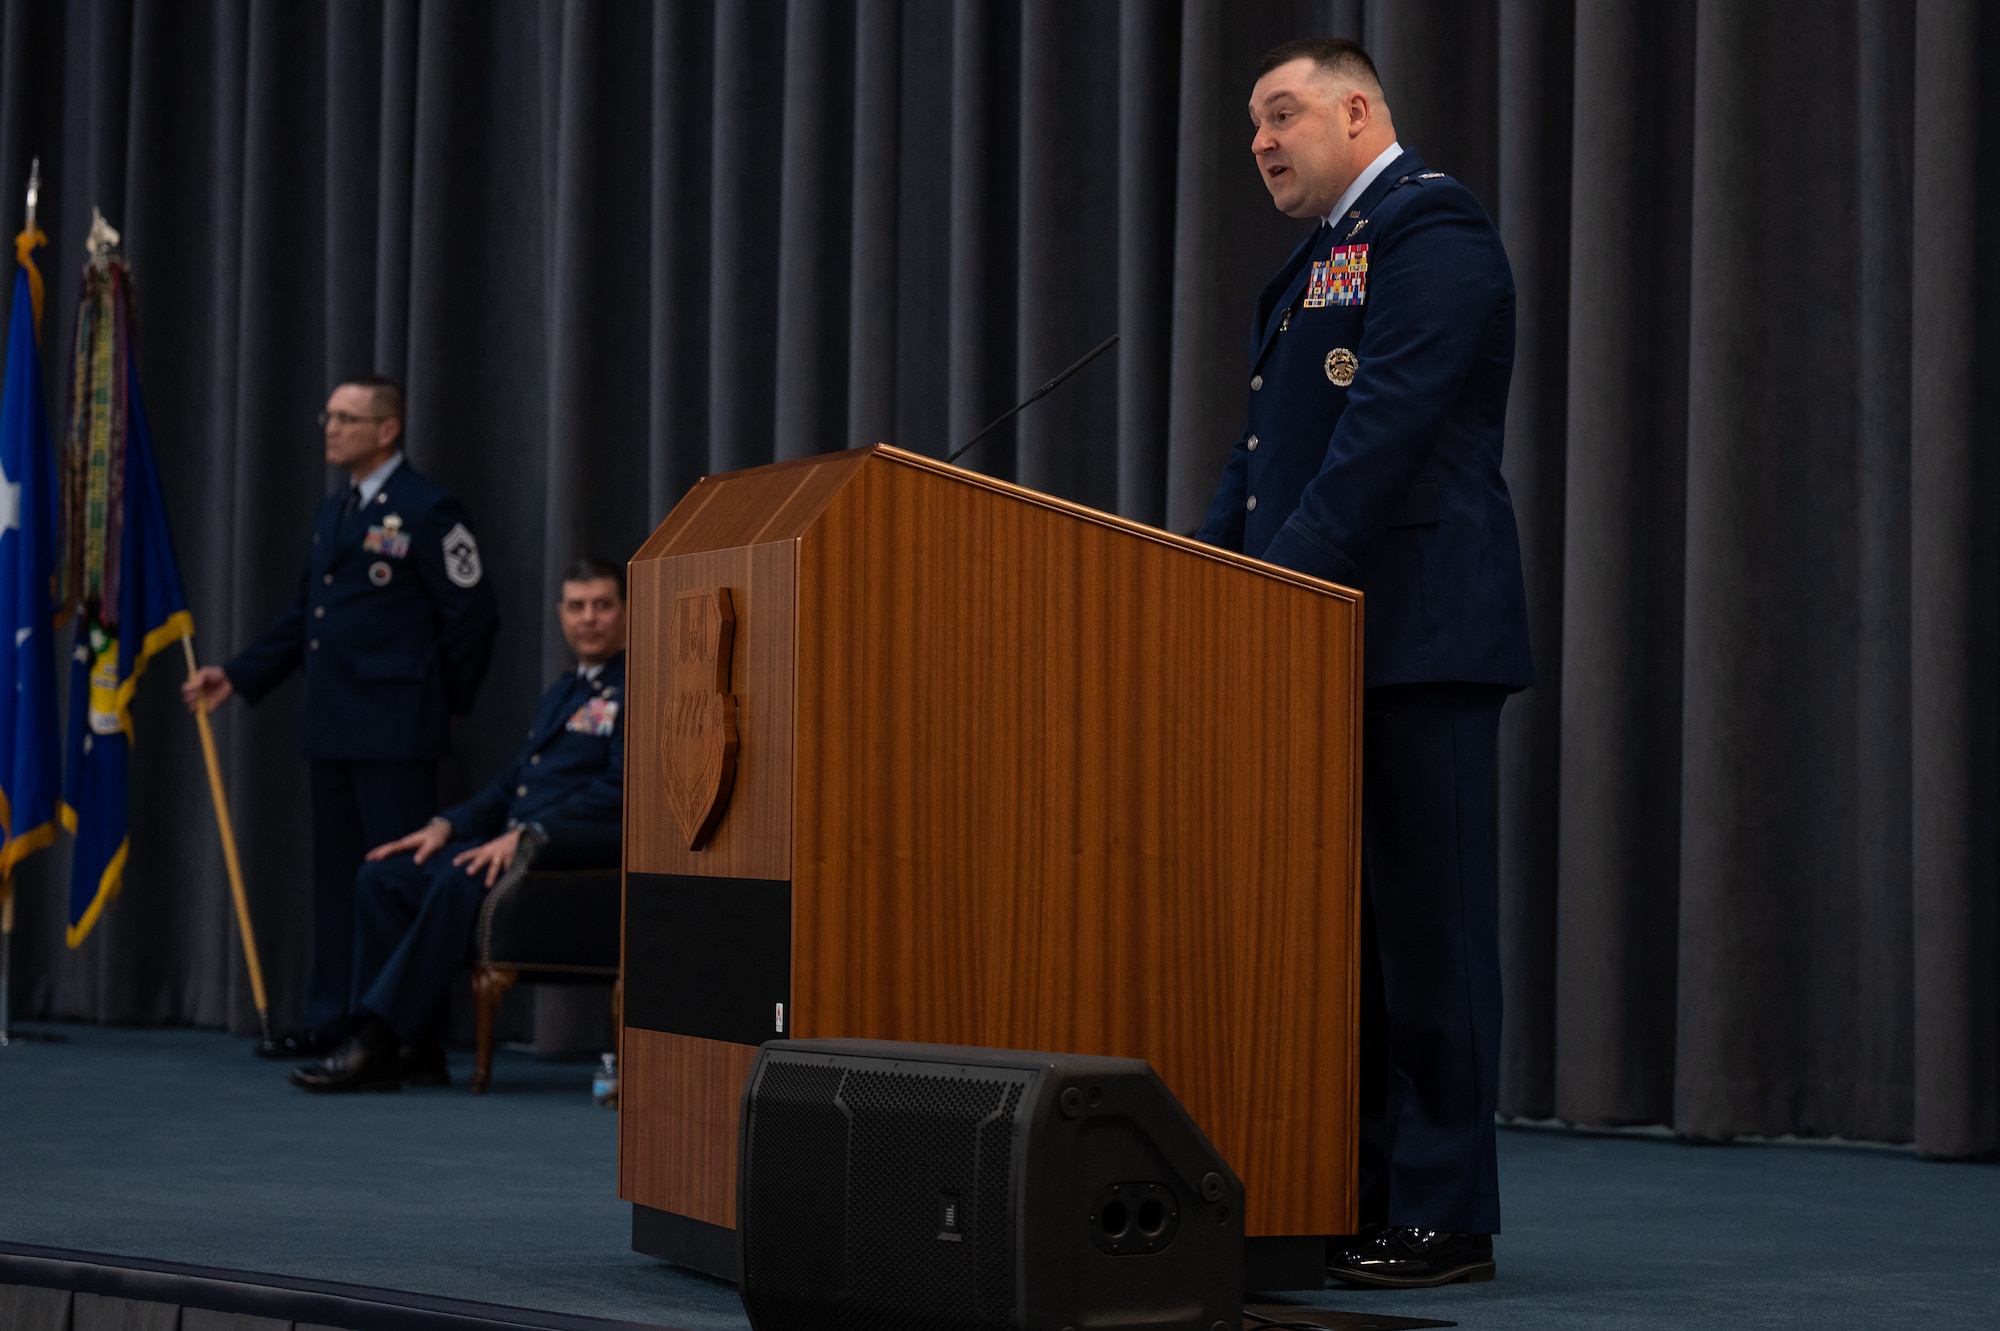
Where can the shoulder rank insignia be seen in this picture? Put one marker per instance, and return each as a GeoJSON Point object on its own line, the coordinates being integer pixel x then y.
{"type": "Point", "coordinates": [1431, 175]}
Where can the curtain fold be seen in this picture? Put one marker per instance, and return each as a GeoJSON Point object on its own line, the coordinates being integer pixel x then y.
{"type": "Point", "coordinates": [1748, 867]}
{"type": "Point", "coordinates": [877, 224]}
{"type": "Point", "coordinates": [1955, 771]}
{"type": "Point", "coordinates": [1537, 43]}
{"type": "Point", "coordinates": [816, 217]}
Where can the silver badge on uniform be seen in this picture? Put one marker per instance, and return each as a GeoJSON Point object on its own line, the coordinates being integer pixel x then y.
{"type": "Point", "coordinates": [461, 557]}
{"type": "Point", "coordinates": [388, 539]}
{"type": "Point", "coordinates": [379, 573]}
{"type": "Point", "coordinates": [1340, 366]}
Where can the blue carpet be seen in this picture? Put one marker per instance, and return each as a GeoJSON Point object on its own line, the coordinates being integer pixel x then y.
{"type": "Point", "coordinates": [1622, 1232]}
{"type": "Point", "coordinates": [177, 1145]}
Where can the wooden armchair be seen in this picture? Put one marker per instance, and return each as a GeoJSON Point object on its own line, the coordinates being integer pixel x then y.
{"type": "Point", "coordinates": [551, 919]}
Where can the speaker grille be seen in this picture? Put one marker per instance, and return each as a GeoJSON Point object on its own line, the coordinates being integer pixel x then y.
{"type": "Point", "coordinates": [797, 1190]}
{"type": "Point", "coordinates": [995, 1217]}
{"type": "Point", "coordinates": [923, 1139]}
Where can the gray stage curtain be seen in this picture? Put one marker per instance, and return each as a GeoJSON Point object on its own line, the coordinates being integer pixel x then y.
{"type": "Point", "coordinates": [1749, 864]}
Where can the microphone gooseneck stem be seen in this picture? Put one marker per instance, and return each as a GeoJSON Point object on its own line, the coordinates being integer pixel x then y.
{"type": "Point", "coordinates": [1037, 395]}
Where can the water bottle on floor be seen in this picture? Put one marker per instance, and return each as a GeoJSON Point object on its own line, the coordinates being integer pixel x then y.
{"type": "Point", "coordinates": [604, 1082]}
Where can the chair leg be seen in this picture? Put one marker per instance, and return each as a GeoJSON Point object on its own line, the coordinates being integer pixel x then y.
{"type": "Point", "coordinates": [489, 985]}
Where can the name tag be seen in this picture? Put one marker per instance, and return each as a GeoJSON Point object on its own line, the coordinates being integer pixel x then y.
{"type": "Point", "coordinates": [598, 717]}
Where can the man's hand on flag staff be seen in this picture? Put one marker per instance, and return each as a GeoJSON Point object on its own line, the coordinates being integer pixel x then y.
{"type": "Point", "coordinates": [207, 685]}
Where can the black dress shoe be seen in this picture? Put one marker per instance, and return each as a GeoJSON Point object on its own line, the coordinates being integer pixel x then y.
{"type": "Point", "coordinates": [424, 1064]}
{"type": "Point", "coordinates": [1339, 1245]}
{"type": "Point", "coordinates": [359, 1064]}
{"type": "Point", "coordinates": [1404, 1258]}
{"type": "Point", "coordinates": [294, 1045]}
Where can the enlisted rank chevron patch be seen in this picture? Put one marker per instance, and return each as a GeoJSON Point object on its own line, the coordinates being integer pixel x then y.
{"type": "Point", "coordinates": [461, 557]}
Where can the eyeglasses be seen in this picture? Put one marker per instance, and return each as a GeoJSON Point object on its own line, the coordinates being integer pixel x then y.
{"type": "Point", "coordinates": [344, 419]}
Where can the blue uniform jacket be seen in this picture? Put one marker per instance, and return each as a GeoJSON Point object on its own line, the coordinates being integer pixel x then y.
{"type": "Point", "coordinates": [570, 776]}
{"type": "Point", "coordinates": [1391, 483]}
{"type": "Point", "coordinates": [393, 624]}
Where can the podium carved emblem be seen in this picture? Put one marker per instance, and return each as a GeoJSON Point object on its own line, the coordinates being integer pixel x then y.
{"type": "Point", "coordinates": [698, 745]}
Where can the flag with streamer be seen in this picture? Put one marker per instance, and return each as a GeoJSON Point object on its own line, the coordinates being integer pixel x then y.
{"type": "Point", "coordinates": [120, 575]}
{"type": "Point", "coordinates": [30, 752]}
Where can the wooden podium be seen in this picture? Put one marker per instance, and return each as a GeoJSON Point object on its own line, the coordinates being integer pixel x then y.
{"type": "Point", "coordinates": [914, 754]}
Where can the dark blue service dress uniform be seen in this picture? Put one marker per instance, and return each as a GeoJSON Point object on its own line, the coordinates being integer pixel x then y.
{"type": "Point", "coordinates": [414, 923]}
{"type": "Point", "coordinates": [393, 625]}
{"type": "Point", "coordinates": [1380, 357]}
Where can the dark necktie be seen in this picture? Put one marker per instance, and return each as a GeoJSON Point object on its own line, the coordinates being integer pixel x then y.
{"type": "Point", "coordinates": [350, 503]}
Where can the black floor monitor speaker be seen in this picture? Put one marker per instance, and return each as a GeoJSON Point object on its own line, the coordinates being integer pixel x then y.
{"type": "Point", "coordinates": [914, 1187]}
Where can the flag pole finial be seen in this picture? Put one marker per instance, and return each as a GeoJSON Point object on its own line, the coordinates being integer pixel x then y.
{"type": "Point", "coordinates": [34, 192]}
{"type": "Point", "coordinates": [102, 242]}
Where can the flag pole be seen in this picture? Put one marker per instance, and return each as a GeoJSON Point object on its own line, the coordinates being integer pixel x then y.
{"type": "Point", "coordinates": [229, 849]}
{"type": "Point", "coordinates": [7, 880]}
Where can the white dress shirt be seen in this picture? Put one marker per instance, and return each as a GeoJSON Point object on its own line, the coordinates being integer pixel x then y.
{"type": "Point", "coordinates": [371, 484]}
{"type": "Point", "coordinates": [1338, 217]}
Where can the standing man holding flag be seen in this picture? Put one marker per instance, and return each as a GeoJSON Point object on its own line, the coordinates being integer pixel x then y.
{"type": "Point", "coordinates": [393, 627]}
{"type": "Point", "coordinates": [31, 777]}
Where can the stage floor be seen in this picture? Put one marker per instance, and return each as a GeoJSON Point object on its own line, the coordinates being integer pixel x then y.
{"type": "Point", "coordinates": [176, 1145]}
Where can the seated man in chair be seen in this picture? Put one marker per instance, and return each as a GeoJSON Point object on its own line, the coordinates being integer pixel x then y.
{"type": "Point", "coordinates": [417, 899]}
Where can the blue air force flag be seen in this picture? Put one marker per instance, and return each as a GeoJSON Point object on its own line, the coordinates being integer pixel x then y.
{"type": "Point", "coordinates": [30, 761]}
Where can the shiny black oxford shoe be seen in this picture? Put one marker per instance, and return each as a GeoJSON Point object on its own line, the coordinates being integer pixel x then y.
{"type": "Point", "coordinates": [1402, 1258]}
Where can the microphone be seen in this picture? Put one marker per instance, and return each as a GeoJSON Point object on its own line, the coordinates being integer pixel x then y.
{"type": "Point", "coordinates": [1037, 395]}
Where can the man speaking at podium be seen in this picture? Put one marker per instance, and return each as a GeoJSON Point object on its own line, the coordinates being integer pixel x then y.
{"type": "Point", "coordinates": [1379, 361]}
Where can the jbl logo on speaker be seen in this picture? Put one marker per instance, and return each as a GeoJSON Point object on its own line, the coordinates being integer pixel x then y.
{"type": "Point", "coordinates": [948, 1226]}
